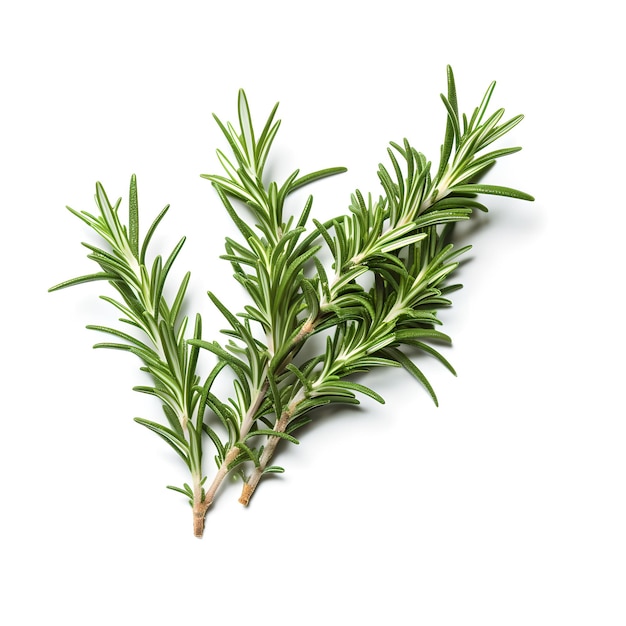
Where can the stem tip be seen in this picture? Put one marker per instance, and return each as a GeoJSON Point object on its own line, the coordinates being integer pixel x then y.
{"type": "Point", "coordinates": [246, 494]}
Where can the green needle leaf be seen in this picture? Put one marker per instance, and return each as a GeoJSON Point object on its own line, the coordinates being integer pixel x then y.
{"type": "Point", "coordinates": [83, 279]}
{"type": "Point", "coordinates": [133, 217]}
{"type": "Point", "coordinates": [495, 190]}
{"type": "Point", "coordinates": [176, 442]}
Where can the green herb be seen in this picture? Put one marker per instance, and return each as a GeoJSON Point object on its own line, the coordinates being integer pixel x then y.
{"type": "Point", "coordinates": [377, 304]}
{"type": "Point", "coordinates": [161, 343]}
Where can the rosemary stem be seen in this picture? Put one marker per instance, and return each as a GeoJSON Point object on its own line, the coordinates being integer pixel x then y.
{"type": "Point", "coordinates": [201, 505]}
{"type": "Point", "coordinates": [250, 486]}
{"type": "Point", "coordinates": [198, 506]}
{"type": "Point", "coordinates": [248, 420]}
{"type": "Point", "coordinates": [219, 477]}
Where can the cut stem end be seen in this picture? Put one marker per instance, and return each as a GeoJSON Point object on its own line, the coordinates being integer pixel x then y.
{"type": "Point", "coordinates": [246, 494]}
{"type": "Point", "coordinates": [198, 523]}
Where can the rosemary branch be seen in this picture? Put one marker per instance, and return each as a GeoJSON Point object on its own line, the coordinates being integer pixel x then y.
{"type": "Point", "coordinates": [402, 239]}
{"type": "Point", "coordinates": [166, 355]}
{"type": "Point", "coordinates": [392, 262]}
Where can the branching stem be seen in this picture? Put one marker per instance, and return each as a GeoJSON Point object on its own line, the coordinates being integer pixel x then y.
{"type": "Point", "coordinates": [402, 240]}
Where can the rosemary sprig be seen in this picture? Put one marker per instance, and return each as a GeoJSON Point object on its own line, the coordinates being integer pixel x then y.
{"type": "Point", "coordinates": [270, 264]}
{"type": "Point", "coordinates": [162, 344]}
{"type": "Point", "coordinates": [393, 260]}
{"type": "Point", "coordinates": [403, 239]}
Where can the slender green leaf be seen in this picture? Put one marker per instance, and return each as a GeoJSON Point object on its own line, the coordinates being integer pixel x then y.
{"type": "Point", "coordinates": [168, 435]}
{"type": "Point", "coordinates": [150, 233]}
{"type": "Point", "coordinates": [492, 190]}
{"type": "Point", "coordinates": [133, 217]}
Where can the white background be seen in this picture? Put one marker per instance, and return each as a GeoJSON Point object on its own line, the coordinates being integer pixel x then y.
{"type": "Point", "coordinates": [504, 506]}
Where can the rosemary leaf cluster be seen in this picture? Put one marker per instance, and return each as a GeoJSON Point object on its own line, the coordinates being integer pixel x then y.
{"type": "Point", "coordinates": [376, 302]}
